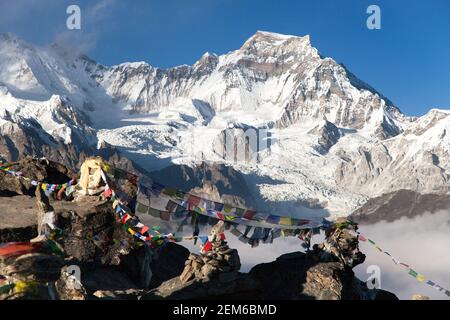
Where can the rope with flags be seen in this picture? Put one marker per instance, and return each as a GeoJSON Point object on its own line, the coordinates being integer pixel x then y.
{"type": "Point", "coordinates": [418, 276]}
{"type": "Point", "coordinates": [48, 188]}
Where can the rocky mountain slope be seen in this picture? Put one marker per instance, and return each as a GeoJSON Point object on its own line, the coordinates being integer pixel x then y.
{"type": "Point", "coordinates": [403, 203]}
{"type": "Point", "coordinates": [332, 141]}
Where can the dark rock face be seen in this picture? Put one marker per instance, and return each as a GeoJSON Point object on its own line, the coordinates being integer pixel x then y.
{"type": "Point", "coordinates": [328, 135]}
{"type": "Point", "coordinates": [297, 276]}
{"type": "Point", "coordinates": [81, 221]}
{"type": "Point", "coordinates": [403, 203]}
{"type": "Point", "coordinates": [217, 182]}
{"type": "Point", "coordinates": [168, 262]}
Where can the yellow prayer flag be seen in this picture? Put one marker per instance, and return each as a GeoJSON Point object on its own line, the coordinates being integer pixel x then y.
{"type": "Point", "coordinates": [421, 277]}
{"type": "Point", "coordinates": [22, 287]}
{"type": "Point", "coordinates": [106, 167]}
{"type": "Point", "coordinates": [286, 221]}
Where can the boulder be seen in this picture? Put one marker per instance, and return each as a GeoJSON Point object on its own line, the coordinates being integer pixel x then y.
{"type": "Point", "coordinates": [18, 220]}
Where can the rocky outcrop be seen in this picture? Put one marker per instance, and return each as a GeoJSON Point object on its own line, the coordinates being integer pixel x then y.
{"type": "Point", "coordinates": [403, 203]}
{"type": "Point", "coordinates": [293, 276]}
{"type": "Point", "coordinates": [328, 135]}
{"type": "Point", "coordinates": [214, 181]}
{"type": "Point", "coordinates": [325, 273]}
{"type": "Point", "coordinates": [216, 258]}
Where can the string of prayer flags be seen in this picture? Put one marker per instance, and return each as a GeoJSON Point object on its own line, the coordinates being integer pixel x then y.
{"type": "Point", "coordinates": [48, 188]}
{"type": "Point", "coordinates": [160, 201]}
{"type": "Point", "coordinates": [419, 277]}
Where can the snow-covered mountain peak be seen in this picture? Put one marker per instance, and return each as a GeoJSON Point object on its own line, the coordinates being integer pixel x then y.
{"type": "Point", "coordinates": [265, 39]}
{"type": "Point", "coordinates": [339, 140]}
{"type": "Point", "coordinates": [267, 47]}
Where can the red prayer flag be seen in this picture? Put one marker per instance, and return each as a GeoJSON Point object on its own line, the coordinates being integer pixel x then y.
{"type": "Point", "coordinates": [207, 247]}
{"type": "Point", "coordinates": [18, 248]}
{"type": "Point", "coordinates": [107, 193]}
{"type": "Point", "coordinates": [249, 214]}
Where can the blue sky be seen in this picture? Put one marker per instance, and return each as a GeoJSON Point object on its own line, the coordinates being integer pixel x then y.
{"type": "Point", "coordinates": [407, 60]}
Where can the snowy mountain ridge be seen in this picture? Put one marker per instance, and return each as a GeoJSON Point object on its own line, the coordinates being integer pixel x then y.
{"type": "Point", "coordinates": [336, 140]}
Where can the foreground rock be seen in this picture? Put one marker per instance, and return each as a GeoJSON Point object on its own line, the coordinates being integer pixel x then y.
{"type": "Point", "coordinates": [325, 273]}
{"type": "Point", "coordinates": [294, 276]}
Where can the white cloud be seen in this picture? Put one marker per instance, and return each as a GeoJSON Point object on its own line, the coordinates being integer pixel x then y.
{"type": "Point", "coordinates": [422, 242]}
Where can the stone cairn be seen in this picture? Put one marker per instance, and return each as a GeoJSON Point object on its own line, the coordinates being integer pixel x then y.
{"type": "Point", "coordinates": [216, 257]}
{"type": "Point", "coordinates": [341, 244]}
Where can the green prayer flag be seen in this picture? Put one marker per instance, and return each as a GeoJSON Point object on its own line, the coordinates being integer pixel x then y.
{"type": "Point", "coordinates": [170, 191]}
{"type": "Point", "coordinates": [372, 242]}
{"type": "Point", "coordinates": [7, 288]}
{"type": "Point", "coordinates": [412, 273]}
{"type": "Point", "coordinates": [240, 212]}
{"type": "Point", "coordinates": [154, 212]}
{"type": "Point", "coordinates": [142, 208]}
{"type": "Point", "coordinates": [227, 208]}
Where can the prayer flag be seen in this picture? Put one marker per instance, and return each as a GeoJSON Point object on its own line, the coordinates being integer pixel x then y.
{"type": "Point", "coordinates": [170, 191]}
{"type": "Point", "coordinates": [218, 206]}
{"type": "Point", "coordinates": [164, 215]}
{"type": "Point", "coordinates": [142, 208]}
{"type": "Point", "coordinates": [171, 206]}
{"type": "Point", "coordinates": [420, 277]}
{"type": "Point", "coordinates": [412, 273]}
{"type": "Point", "coordinates": [431, 283]}
{"type": "Point", "coordinates": [107, 192]}
{"type": "Point", "coordinates": [207, 247]}
{"type": "Point", "coordinates": [286, 221]}
{"type": "Point", "coordinates": [203, 239]}
{"type": "Point", "coordinates": [404, 264]}
{"type": "Point", "coordinates": [193, 201]}
{"type": "Point", "coordinates": [154, 212]}
{"type": "Point", "coordinates": [273, 219]}
{"type": "Point", "coordinates": [249, 214]}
